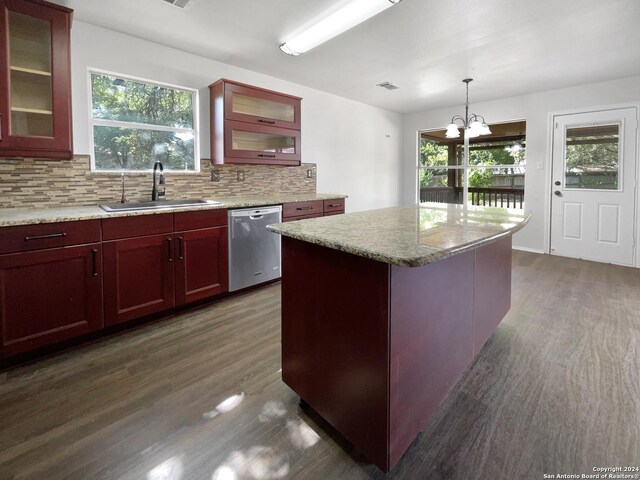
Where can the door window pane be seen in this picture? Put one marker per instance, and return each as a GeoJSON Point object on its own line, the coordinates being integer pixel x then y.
{"type": "Point", "coordinates": [438, 153]}
{"type": "Point", "coordinates": [496, 153]}
{"type": "Point", "coordinates": [443, 185]}
{"type": "Point", "coordinates": [497, 187]}
{"type": "Point", "coordinates": [592, 157]}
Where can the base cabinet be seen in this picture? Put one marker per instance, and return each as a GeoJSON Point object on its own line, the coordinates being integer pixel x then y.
{"type": "Point", "coordinates": [201, 267]}
{"type": "Point", "coordinates": [138, 277]}
{"type": "Point", "coordinates": [157, 262]}
{"type": "Point", "coordinates": [49, 295]}
{"type": "Point", "coordinates": [312, 209]}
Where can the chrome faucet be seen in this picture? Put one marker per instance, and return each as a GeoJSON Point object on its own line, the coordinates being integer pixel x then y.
{"type": "Point", "coordinates": [155, 192]}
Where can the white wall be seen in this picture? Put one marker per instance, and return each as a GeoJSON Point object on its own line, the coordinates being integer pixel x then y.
{"type": "Point", "coordinates": [535, 109]}
{"type": "Point", "coordinates": [358, 148]}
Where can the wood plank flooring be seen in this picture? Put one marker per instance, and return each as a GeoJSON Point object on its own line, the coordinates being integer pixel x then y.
{"type": "Point", "coordinates": [555, 390]}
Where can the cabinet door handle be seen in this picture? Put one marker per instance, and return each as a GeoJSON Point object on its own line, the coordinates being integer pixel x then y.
{"type": "Point", "coordinates": [304, 208]}
{"type": "Point", "coordinates": [270, 122]}
{"type": "Point", "coordinates": [43, 237]}
{"type": "Point", "coordinates": [94, 256]}
{"type": "Point", "coordinates": [0, 127]}
{"type": "Point", "coordinates": [335, 205]}
{"type": "Point", "coordinates": [262, 155]}
{"type": "Point", "coordinates": [180, 247]}
{"type": "Point", "coordinates": [169, 243]}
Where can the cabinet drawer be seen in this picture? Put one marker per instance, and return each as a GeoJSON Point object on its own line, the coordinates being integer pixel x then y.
{"type": "Point", "coordinates": [201, 219]}
{"type": "Point", "coordinates": [297, 209]}
{"type": "Point", "coordinates": [48, 235]}
{"type": "Point", "coordinates": [334, 205]}
{"type": "Point", "coordinates": [301, 217]}
{"type": "Point", "coordinates": [138, 226]}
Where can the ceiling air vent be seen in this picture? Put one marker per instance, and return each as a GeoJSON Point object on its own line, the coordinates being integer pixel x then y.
{"type": "Point", "coordinates": [387, 85]}
{"type": "Point", "coordinates": [180, 3]}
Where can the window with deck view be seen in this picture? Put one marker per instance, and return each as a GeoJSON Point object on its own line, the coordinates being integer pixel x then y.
{"type": "Point", "coordinates": [135, 123]}
{"type": "Point", "coordinates": [495, 172]}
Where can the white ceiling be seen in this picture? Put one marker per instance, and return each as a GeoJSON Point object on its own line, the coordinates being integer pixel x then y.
{"type": "Point", "coordinates": [425, 47]}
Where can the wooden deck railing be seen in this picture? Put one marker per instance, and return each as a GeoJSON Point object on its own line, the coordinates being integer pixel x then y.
{"type": "Point", "coordinates": [497, 197]}
{"type": "Point", "coordinates": [490, 197]}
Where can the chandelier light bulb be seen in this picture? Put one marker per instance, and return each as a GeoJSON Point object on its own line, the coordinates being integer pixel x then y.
{"type": "Point", "coordinates": [475, 129]}
{"type": "Point", "coordinates": [472, 132]}
{"type": "Point", "coordinates": [452, 131]}
{"type": "Point", "coordinates": [484, 129]}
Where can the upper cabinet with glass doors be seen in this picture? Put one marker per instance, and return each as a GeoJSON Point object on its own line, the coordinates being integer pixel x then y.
{"type": "Point", "coordinates": [253, 125]}
{"type": "Point", "coordinates": [35, 91]}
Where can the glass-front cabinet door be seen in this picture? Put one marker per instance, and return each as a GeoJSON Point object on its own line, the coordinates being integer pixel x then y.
{"type": "Point", "coordinates": [248, 143]}
{"type": "Point", "coordinates": [36, 105]}
{"type": "Point", "coordinates": [255, 105]}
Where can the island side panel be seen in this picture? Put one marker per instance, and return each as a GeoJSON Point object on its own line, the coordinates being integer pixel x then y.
{"type": "Point", "coordinates": [492, 296]}
{"type": "Point", "coordinates": [335, 341]}
{"type": "Point", "coordinates": [431, 341]}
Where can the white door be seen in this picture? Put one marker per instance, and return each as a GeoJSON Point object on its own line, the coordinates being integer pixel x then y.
{"type": "Point", "coordinates": [593, 191]}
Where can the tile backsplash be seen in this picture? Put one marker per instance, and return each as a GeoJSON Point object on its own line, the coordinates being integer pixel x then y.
{"type": "Point", "coordinates": [29, 183]}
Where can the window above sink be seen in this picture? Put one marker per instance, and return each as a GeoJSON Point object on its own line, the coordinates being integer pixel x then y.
{"type": "Point", "coordinates": [136, 122]}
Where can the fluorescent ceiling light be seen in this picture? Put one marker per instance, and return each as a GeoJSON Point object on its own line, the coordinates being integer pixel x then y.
{"type": "Point", "coordinates": [341, 20]}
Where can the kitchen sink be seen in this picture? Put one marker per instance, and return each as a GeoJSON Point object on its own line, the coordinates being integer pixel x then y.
{"type": "Point", "coordinates": [155, 205]}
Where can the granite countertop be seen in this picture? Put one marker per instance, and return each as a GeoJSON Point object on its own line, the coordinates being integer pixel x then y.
{"type": "Point", "coordinates": [408, 236]}
{"type": "Point", "coordinates": [25, 216]}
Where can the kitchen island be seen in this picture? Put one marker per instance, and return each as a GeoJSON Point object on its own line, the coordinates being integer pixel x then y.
{"type": "Point", "coordinates": [383, 310]}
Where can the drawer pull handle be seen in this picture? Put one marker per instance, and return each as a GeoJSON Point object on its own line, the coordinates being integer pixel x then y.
{"type": "Point", "coordinates": [304, 208]}
{"type": "Point", "coordinates": [335, 204]}
{"type": "Point", "coordinates": [262, 155]}
{"type": "Point", "coordinates": [270, 122]}
{"type": "Point", "coordinates": [170, 250]}
{"type": "Point", "coordinates": [94, 254]}
{"type": "Point", "coordinates": [44, 237]}
{"type": "Point", "coordinates": [180, 248]}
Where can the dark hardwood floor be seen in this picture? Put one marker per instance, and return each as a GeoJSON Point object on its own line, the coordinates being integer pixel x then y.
{"type": "Point", "coordinates": [555, 390]}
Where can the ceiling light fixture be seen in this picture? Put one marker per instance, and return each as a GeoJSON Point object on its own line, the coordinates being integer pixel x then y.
{"type": "Point", "coordinates": [472, 125]}
{"type": "Point", "coordinates": [341, 20]}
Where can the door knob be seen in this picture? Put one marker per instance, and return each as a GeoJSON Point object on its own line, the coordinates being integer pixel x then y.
{"type": "Point", "coordinates": [557, 193]}
{"type": "Point", "coordinates": [557, 182]}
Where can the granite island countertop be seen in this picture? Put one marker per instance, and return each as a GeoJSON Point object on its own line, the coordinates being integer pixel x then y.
{"type": "Point", "coordinates": [26, 216]}
{"type": "Point", "coordinates": [408, 236]}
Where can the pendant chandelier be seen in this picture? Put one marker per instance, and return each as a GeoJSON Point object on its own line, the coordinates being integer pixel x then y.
{"type": "Point", "coordinates": [472, 125]}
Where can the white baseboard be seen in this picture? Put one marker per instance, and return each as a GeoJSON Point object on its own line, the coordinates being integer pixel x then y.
{"type": "Point", "coordinates": [525, 249]}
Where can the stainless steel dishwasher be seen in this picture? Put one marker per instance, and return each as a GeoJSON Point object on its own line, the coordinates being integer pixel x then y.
{"type": "Point", "coordinates": [254, 252]}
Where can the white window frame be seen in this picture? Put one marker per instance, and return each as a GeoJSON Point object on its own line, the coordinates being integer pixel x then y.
{"type": "Point", "coordinates": [464, 168]}
{"type": "Point", "coordinates": [117, 123]}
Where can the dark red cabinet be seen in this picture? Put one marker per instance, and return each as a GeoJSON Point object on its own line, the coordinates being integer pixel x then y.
{"type": "Point", "coordinates": [35, 74]}
{"type": "Point", "coordinates": [49, 295]}
{"type": "Point", "coordinates": [201, 267]}
{"type": "Point", "coordinates": [156, 262]}
{"type": "Point", "coordinates": [138, 277]}
{"type": "Point", "coordinates": [312, 209]}
{"type": "Point", "coordinates": [251, 125]}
